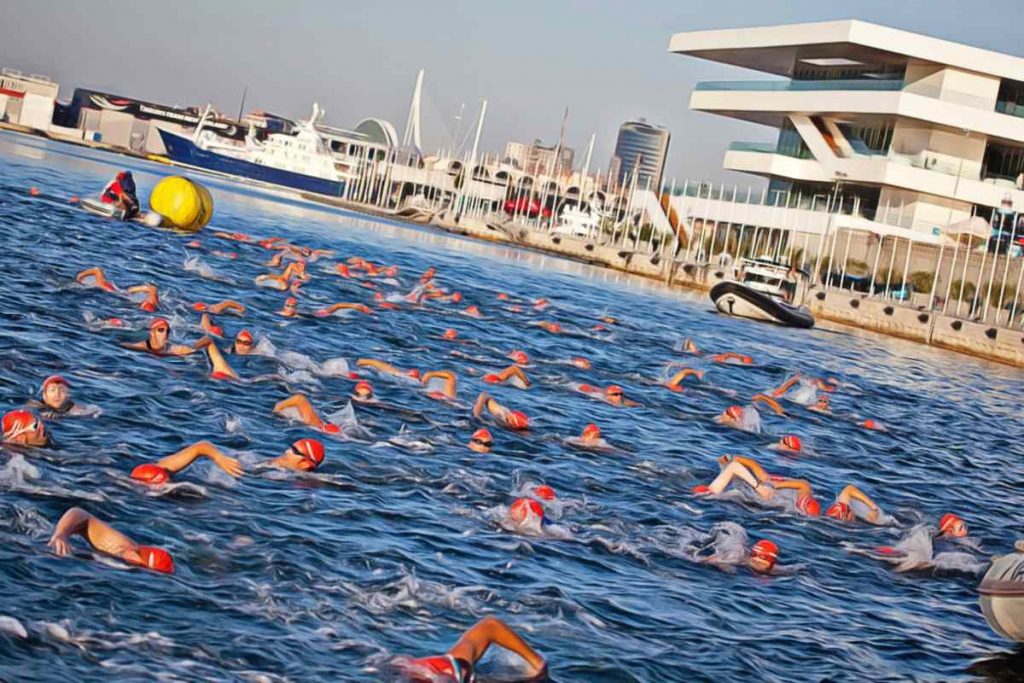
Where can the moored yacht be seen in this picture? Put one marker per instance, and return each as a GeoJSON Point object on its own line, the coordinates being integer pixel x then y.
{"type": "Point", "coordinates": [764, 290]}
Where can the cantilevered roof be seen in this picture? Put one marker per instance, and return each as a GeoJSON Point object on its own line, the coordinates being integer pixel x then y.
{"type": "Point", "coordinates": [776, 49]}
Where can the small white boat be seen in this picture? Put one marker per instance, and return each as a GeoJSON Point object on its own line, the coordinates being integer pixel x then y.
{"type": "Point", "coordinates": [1002, 595]}
{"type": "Point", "coordinates": [578, 222]}
{"type": "Point", "coordinates": [99, 208]}
{"type": "Point", "coordinates": [767, 291]}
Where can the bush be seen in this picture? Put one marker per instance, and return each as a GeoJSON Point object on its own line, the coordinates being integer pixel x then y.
{"type": "Point", "coordinates": [967, 288]}
{"type": "Point", "coordinates": [922, 280]}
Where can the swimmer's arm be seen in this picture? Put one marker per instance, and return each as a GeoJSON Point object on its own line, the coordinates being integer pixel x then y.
{"type": "Point", "coordinates": [186, 456]}
{"type": "Point", "coordinates": [448, 376]}
{"type": "Point", "coordinates": [753, 466]}
{"type": "Point", "coordinates": [786, 386]}
{"type": "Point", "coordinates": [799, 485]}
{"type": "Point", "coordinates": [275, 260]}
{"type": "Point", "coordinates": [473, 644]}
{"type": "Point", "coordinates": [306, 411]}
{"type": "Point", "coordinates": [218, 362]}
{"type": "Point", "coordinates": [148, 289]}
{"type": "Point", "coordinates": [362, 308]}
{"type": "Point", "coordinates": [378, 365]}
{"type": "Point", "coordinates": [851, 492]}
{"type": "Point", "coordinates": [99, 534]}
{"type": "Point", "coordinates": [517, 372]}
{"type": "Point", "coordinates": [481, 403]}
{"type": "Point", "coordinates": [731, 471]}
{"type": "Point", "coordinates": [770, 402]}
{"type": "Point", "coordinates": [135, 346]}
{"type": "Point", "coordinates": [678, 378]}
{"type": "Point", "coordinates": [96, 273]}
{"type": "Point", "coordinates": [228, 305]}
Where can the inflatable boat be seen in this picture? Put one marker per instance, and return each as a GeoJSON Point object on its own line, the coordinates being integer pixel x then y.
{"type": "Point", "coordinates": [98, 208]}
{"type": "Point", "coordinates": [1002, 595]}
{"type": "Point", "coordinates": [764, 291]}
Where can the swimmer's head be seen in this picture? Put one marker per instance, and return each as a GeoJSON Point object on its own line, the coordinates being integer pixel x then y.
{"type": "Point", "coordinates": [701, 490]}
{"type": "Point", "coordinates": [24, 427]}
{"type": "Point", "coordinates": [148, 306]}
{"type": "Point", "coordinates": [157, 559]}
{"type": "Point", "coordinates": [763, 556]}
{"type": "Point", "coordinates": [481, 441]}
{"type": "Point", "coordinates": [581, 363]}
{"type": "Point", "coordinates": [55, 391]}
{"type": "Point", "coordinates": [517, 420]}
{"type": "Point", "coordinates": [159, 330]}
{"type": "Point", "coordinates": [243, 342]}
{"type": "Point", "coordinates": [290, 303]}
{"type": "Point", "coordinates": [840, 511]}
{"type": "Point", "coordinates": [413, 373]}
{"type": "Point", "coordinates": [614, 393]}
{"type": "Point", "coordinates": [519, 357]}
{"type": "Point", "coordinates": [526, 511]}
{"type": "Point", "coordinates": [502, 296]}
{"type": "Point", "coordinates": [544, 492]}
{"type": "Point", "coordinates": [591, 432]}
{"type": "Point", "coordinates": [734, 413]}
{"type": "Point", "coordinates": [363, 389]}
{"type": "Point", "coordinates": [791, 442]}
{"type": "Point", "coordinates": [450, 334]}
{"type": "Point", "coordinates": [456, 297]}
{"type": "Point", "coordinates": [808, 505]}
{"type": "Point", "coordinates": [472, 310]}
{"type": "Point", "coordinates": [310, 451]}
{"type": "Point", "coordinates": [151, 474]}
{"type": "Point", "coordinates": [952, 525]}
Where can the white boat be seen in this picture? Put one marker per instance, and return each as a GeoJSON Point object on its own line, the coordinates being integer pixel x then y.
{"type": "Point", "coordinates": [577, 222]}
{"type": "Point", "coordinates": [765, 291]}
{"type": "Point", "coordinates": [1002, 594]}
{"type": "Point", "coordinates": [302, 161]}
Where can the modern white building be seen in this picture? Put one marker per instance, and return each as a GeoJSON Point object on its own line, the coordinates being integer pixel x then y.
{"type": "Point", "coordinates": [913, 133]}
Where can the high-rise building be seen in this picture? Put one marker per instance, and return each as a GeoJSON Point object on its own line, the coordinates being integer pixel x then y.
{"type": "Point", "coordinates": [539, 159]}
{"type": "Point", "coordinates": [641, 148]}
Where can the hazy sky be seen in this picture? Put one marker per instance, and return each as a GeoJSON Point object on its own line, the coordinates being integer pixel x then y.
{"type": "Point", "coordinates": [607, 62]}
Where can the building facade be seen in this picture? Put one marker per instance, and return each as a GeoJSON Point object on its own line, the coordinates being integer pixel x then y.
{"type": "Point", "coordinates": [539, 159]}
{"type": "Point", "coordinates": [911, 132]}
{"type": "Point", "coordinates": [641, 150]}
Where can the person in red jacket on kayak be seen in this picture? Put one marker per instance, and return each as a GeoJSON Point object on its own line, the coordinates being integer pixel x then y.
{"type": "Point", "coordinates": [121, 192]}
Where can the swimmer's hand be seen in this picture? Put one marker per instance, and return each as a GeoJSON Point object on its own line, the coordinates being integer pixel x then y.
{"type": "Point", "coordinates": [60, 544]}
{"type": "Point", "coordinates": [202, 343]}
{"type": "Point", "coordinates": [229, 465]}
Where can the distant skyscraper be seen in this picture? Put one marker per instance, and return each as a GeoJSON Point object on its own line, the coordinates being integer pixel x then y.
{"type": "Point", "coordinates": [642, 147]}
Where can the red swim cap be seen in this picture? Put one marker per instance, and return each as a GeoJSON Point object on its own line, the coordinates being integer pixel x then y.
{"type": "Point", "coordinates": [291, 301]}
{"type": "Point", "coordinates": [765, 550]}
{"type": "Point", "coordinates": [54, 379]}
{"type": "Point", "coordinates": [840, 511]}
{"type": "Point", "coordinates": [491, 378]}
{"type": "Point", "coordinates": [155, 322]}
{"type": "Point", "coordinates": [791, 442]}
{"type": "Point", "coordinates": [157, 559]}
{"type": "Point", "coordinates": [701, 489]}
{"type": "Point", "coordinates": [218, 374]}
{"type": "Point", "coordinates": [613, 389]}
{"type": "Point", "coordinates": [151, 474]}
{"type": "Point", "coordinates": [363, 388]}
{"type": "Point", "coordinates": [472, 310]}
{"type": "Point", "coordinates": [523, 508]}
{"type": "Point", "coordinates": [311, 450]}
{"type": "Point", "coordinates": [519, 357]}
{"type": "Point", "coordinates": [199, 306]}
{"type": "Point", "coordinates": [330, 428]}
{"type": "Point", "coordinates": [869, 424]}
{"type": "Point", "coordinates": [591, 431]}
{"type": "Point", "coordinates": [457, 297]}
{"type": "Point", "coordinates": [809, 505]}
{"type": "Point", "coordinates": [734, 412]}
{"type": "Point", "coordinates": [414, 373]}
{"type": "Point", "coordinates": [244, 336]}
{"type": "Point", "coordinates": [948, 521]}
{"type": "Point", "coordinates": [581, 362]}
{"type": "Point", "coordinates": [450, 334]}
{"type": "Point", "coordinates": [502, 296]}
{"type": "Point", "coordinates": [148, 306]}
{"type": "Point", "coordinates": [18, 422]}
{"type": "Point", "coordinates": [517, 420]}
{"type": "Point", "coordinates": [544, 492]}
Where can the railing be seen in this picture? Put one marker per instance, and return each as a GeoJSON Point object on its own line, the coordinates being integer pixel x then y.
{"type": "Point", "coordinates": [801, 86]}
{"type": "Point", "coordinates": [1010, 108]}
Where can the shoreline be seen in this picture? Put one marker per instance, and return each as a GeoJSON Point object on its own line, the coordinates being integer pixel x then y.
{"type": "Point", "coordinates": [931, 328]}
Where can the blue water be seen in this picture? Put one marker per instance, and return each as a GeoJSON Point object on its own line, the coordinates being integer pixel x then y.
{"type": "Point", "coordinates": [392, 549]}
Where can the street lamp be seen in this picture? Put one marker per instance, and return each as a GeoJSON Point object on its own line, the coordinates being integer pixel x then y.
{"type": "Point", "coordinates": [839, 177]}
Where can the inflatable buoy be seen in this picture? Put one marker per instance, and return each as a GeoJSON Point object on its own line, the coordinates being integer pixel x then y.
{"type": "Point", "coordinates": [184, 204]}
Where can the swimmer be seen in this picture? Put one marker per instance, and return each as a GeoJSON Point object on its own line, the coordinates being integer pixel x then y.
{"type": "Point", "coordinates": [24, 428]}
{"type": "Point", "coordinates": [458, 664]}
{"type": "Point", "coordinates": [334, 308]}
{"type": "Point", "coordinates": [916, 550]}
{"type": "Point", "coordinates": [512, 419]}
{"type": "Point", "coordinates": [770, 402]}
{"type": "Point", "coordinates": [525, 515]}
{"type": "Point", "coordinates": [591, 436]}
{"type": "Point", "coordinates": [106, 540]}
{"type": "Point", "coordinates": [386, 368]}
{"type": "Point", "coordinates": [512, 375]}
{"type": "Point", "coordinates": [540, 304]}
{"type": "Point", "coordinates": [98, 278]}
{"type": "Point", "coordinates": [242, 346]}
{"type": "Point", "coordinates": [790, 443]}
{"type": "Point", "coordinates": [450, 335]}
{"type": "Point", "coordinates": [730, 358]}
{"type": "Point", "coordinates": [745, 419]}
{"type": "Point", "coordinates": [481, 441]}
{"type": "Point", "coordinates": [362, 392]}
{"type": "Point", "coordinates": [843, 511]}
{"type": "Point", "coordinates": [764, 485]}
{"type": "Point", "coordinates": [428, 275]}
{"type": "Point", "coordinates": [727, 544]}
{"type": "Point", "coordinates": [152, 300]}
{"type": "Point", "coordinates": [872, 425]}
{"type": "Point", "coordinates": [448, 384]}
{"type": "Point", "coordinates": [519, 357]}
{"type": "Point", "coordinates": [219, 366]}
{"type": "Point", "coordinates": [830, 384]}
{"type": "Point", "coordinates": [56, 395]}
{"type": "Point", "coordinates": [690, 347]}
{"type": "Point", "coordinates": [549, 326]}
{"type": "Point", "coordinates": [952, 526]}
{"type": "Point", "coordinates": [676, 382]}
{"type": "Point", "coordinates": [220, 307]}
{"type": "Point", "coordinates": [299, 408]}
{"type": "Point", "coordinates": [581, 363]}
{"type": "Point", "coordinates": [612, 394]}
{"type": "Point", "coordinates": [290, 308]}
{"type": "Point", "coordinates": [472, 312]}
{"type": "Point", "coordinates": [821, 406]}
{"type": "Point", "coordinates": [207, 325]}
{"type": "Point", "coordinates": [163, 470]}
{"type": "Point", "coordinates": [157, 343]}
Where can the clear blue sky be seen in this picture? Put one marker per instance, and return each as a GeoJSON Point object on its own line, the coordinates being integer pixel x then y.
{"type": "Point", "coordinates": [606, 61]}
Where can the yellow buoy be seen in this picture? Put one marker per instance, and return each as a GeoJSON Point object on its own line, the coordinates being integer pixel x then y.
{"type": "Point", "coordinates": [184, 204]}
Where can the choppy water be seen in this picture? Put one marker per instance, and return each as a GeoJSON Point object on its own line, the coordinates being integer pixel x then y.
{"type": "Point", "coordinates": [393, 546]}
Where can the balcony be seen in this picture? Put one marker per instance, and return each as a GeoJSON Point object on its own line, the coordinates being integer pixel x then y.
{"type": "Point", "coordinates": [802, 86]}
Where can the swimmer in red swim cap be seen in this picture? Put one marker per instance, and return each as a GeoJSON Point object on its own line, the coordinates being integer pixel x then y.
{"type": "Point", "coordinates": [152, 301]}
{"type": "Point", "coordinates": [385, 368]}
{"type": "Point", "coordinates": [544, 492]}
{"type": "Point", "coordinates": [952, 525]}
{"type": "Point", "coordinates": [334, 308]}
{"type": "Point", "coordinates": [106, 540]}
{"type": "Point", "coordinates": [591, 434]}
{"type": "Point", "coordinates": [790, 443]}
{"type": "Point", "coordinates": [732, 358]}
{"type": "Point", "coordinates": [298, 407]}
{"type": "Point", "coordinates": [24, 428]}
{"type": "Point", "coordinates": [219, 367]}
{"type": "Point", "coordinates": [440, 384]}
{"type": "Point", "coordinates": [458, 664]}
{"type": "Point", "coordinates": [163, 470]}
{"type": "Point", "coordinates": [581, 362]}
{"type": "Point", "coordinates": [764, 485]}
{"type": "Point", "coordinates": [843, 511]}
{"type": "Point", "coordinates": [511, 419]}
{"type": "Point", "coordinates": [98, 277]}
{"type": "Point", "coordinates": [675, 383]}
{"type": "Point", "coordinates": [512, 375]}
{"type": "Point", "coordinates": [363, 391]}
{"type": "Point", "coordinates": [550, 326]}
{"type": "Point", "coordinates": [526, 512]}
{"type": "Point", "coordinates": [290, 308]}
{"type": "Point", "coordinates": [872, 425]}
{"type": "Point", "coordinates": [158, 342]}
{"type": "Point", "coordinates": [519, 357]}
{"type": "Point", "coordinates": [481, 441]}
{"type": "Point", "coordinates": [56, 395]}
{"type": "Point", "coordinates": [243, 343]}
{"type": "Point", "coordinates": [763, 556]}
{"type": "Point", "coordinates": [731, 416]}
{"type": "Point", "coordinates": [450, 334]}
{"type": "Point", "coordinates": [228, 305]}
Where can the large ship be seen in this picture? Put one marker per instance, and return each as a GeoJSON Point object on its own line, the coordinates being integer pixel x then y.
{"type": "Point", "coordinates": [301, 161]}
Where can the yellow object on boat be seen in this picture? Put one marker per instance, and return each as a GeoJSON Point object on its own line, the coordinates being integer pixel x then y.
{"type": "Point", "coordinates": [184, 204]}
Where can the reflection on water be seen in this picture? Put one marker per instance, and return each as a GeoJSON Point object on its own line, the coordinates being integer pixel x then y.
{"type": "Point", "coordinates": [394, 545]}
